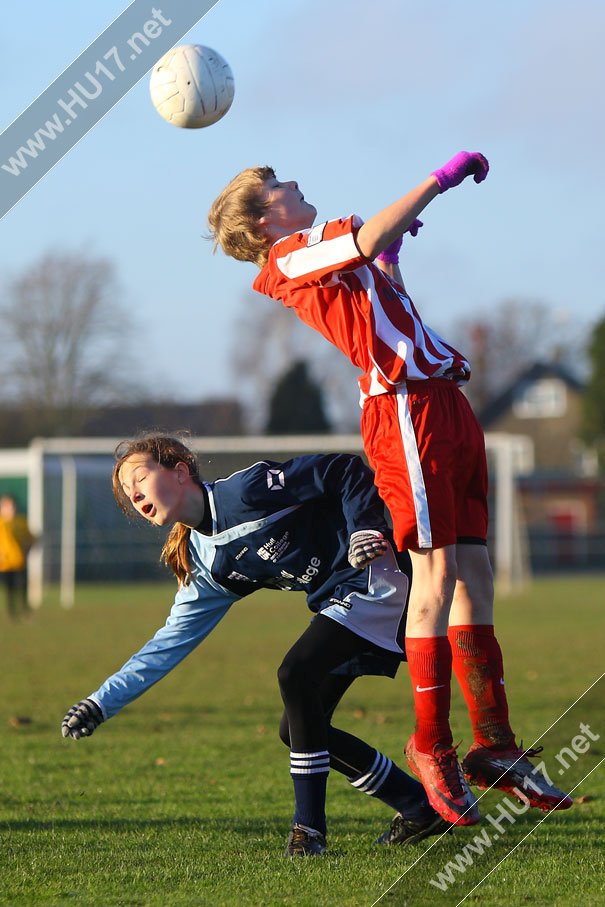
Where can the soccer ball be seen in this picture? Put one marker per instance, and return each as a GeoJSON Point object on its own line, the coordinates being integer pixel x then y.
{"type": "Point", "coordinates": [191, 86]}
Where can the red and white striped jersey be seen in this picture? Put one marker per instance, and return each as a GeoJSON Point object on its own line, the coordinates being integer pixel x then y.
{"type": "Point", "coordinates": [321, 274]}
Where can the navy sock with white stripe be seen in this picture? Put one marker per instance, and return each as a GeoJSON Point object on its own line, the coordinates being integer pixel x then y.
{"type": "Point", "coordinates": [310, 774]}
{"type": "Point", "coordinates": [387, 782]}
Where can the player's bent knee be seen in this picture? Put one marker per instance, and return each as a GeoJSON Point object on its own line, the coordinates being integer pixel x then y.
{"type": "Point", "coordinates": [295, 677]}
{"type": "Point", "coordinates": [284, 730]}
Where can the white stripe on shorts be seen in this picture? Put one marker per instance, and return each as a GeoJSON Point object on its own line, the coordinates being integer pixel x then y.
{"type": "Point", "coordinates": [412, 458]}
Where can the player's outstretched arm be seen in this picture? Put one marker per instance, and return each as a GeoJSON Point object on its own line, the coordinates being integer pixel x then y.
{"type": "Point", "coordinates": [389, 224]}
{"type": "Point", "coordinates": [383, 228]}
{"type": "Point", "coordinates": [197, 609]}
{"type": "Point", "coordinates": [82, 719]}
{"type": "Point", "coordinates": [365, 546]}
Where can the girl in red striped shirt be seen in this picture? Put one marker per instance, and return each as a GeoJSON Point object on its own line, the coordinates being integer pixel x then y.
{"type": "Point", "coordinates": [425, 445]}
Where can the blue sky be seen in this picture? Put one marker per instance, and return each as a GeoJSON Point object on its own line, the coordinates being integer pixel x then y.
{"type": "Point", "coordinates": [358, 102]}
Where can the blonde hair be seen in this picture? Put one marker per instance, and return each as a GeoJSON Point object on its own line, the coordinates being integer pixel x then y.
{"type": "Point", "coordinates": [234, 216]}
{"type": "Point", "coordinates": [167, 451]}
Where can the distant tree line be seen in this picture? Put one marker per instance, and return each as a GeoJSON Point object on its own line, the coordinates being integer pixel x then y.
{"type": "Point", "coordinates": [65, 359]}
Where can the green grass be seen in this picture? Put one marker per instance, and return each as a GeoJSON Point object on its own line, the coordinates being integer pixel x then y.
{"type": "Point", "coordinates": [185, 798]}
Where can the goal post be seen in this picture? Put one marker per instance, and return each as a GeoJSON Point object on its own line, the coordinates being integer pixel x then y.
{"type": "Point", "coordinates": [71, 506]}
{"type": "Point", "coordinates": [508, 457]}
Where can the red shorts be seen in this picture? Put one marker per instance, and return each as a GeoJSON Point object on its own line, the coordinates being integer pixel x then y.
{"type": "Point", "coordinates": [428, 452]}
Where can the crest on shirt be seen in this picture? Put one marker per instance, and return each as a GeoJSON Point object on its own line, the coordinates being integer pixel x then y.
{"type": "Point", "coordinates": [274, 548]}
{"type": "Point", "coordinates": [275, 479]}
{"type": "Point", "coordinates": [316, 235]}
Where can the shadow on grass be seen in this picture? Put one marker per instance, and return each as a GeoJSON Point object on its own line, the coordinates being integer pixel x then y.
{"type": "Point", "coordinates": [252, 826]}
{"type": "Point", "coordinates": [240, 833]}
{"type": "Point", "coordinates": [570, 824]}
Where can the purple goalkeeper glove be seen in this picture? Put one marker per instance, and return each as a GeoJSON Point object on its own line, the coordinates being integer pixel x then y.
{"type": "Point", "coordinates": [463, 164]}
{"type": "Point", "coordinates": [390, 255]}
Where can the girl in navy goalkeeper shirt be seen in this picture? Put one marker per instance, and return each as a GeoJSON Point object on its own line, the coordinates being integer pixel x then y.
{"type": "Point", "coordinates": [314, 524]}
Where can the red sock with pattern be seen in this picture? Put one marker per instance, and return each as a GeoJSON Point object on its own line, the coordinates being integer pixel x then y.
{"type": "Point", "coordinates": [477, 664]}
{"type": "Point", "coordinates": [430, 664]}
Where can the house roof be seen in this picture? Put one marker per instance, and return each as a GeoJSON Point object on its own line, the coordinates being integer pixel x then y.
{"type": "Point", "coordinates": [536, 372]}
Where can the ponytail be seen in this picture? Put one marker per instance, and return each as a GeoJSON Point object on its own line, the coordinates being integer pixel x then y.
{"type": "Point", "coordinates": [175, 553]}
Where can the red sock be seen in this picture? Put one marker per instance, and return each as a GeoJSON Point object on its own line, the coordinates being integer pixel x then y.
{"type": "Point", "coordinates": [477, 664]}
{"type": "Point", "coordinates": [430, 664]}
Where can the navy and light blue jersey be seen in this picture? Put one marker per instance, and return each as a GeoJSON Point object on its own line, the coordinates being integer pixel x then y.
{"type": "Point", "coordinates": [276, 526]}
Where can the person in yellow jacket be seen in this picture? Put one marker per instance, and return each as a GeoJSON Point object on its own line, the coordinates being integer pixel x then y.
{"type": "Point", "coordinates": [15, 541]}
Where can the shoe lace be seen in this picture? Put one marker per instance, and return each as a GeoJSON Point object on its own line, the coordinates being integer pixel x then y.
{"type": "Point", "coordinates": [298, 836]}
{"type": "Point", "coordinates": [447, 759]}
{"type": "Point", "coordinates": [533, 751]}
{"type": "Point", "coordinates": [302, 835]}
{"type": "Point", "coordinates": [530, 752]}
{"type": "Point", "coordinates": [399, 823]}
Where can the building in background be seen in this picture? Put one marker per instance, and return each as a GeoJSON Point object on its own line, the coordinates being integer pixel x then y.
{"type": "Point", "coordinates": [562, 497]}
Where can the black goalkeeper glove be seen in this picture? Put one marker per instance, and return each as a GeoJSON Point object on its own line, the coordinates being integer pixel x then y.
{"type": "Point", "coordinates": [82, 719]}
{"type": "Point", "coordinates": [366, 545]}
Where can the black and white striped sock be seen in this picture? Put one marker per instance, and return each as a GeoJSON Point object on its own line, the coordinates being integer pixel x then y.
{"type": "Point", "coordinates": [387, 782]}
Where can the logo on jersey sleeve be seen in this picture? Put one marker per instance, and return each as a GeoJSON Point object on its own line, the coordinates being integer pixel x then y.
{"type": "Point", "coordinates": [316, 235]}
{"type": "Point", "coordinates": [275, 479]}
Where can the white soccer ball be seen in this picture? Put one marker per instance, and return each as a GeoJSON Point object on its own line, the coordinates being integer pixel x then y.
{"type": "Point", "coordinates": [192, 86]}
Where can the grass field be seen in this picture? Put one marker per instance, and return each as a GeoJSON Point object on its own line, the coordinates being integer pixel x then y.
{"type": "Point", "coordinates": [185, 797]}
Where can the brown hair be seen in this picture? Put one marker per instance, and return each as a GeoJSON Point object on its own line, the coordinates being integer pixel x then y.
{"type": "Point", "coordinates": [234, 216]}
{"type": "Point", "coordinates": [167, 451]}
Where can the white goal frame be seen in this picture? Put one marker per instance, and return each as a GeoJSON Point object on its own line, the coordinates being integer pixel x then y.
{"type": "Point", "coordinates": [510, 456]}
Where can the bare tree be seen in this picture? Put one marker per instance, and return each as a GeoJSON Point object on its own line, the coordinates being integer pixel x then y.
{"type": "Point", "coordinates": [502, 342]}
{"type": "Point", "coordinates": [268, 340]}
{"type": "Point", "coordinates": [63, 336]}
{"type": "Point", "coordinates": [499, 342]}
